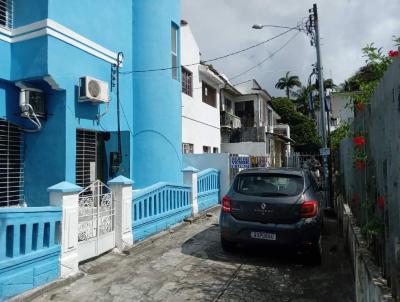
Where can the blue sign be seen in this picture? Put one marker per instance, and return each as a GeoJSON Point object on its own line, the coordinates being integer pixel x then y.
{"type": "Point", "coordinates": [240, 162]}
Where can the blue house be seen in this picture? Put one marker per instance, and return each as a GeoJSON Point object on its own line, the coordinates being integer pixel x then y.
{"type": "Point", "coordinates": [62, 65]}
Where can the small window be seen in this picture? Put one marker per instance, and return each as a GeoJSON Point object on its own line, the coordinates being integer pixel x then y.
{"type": "Point", "coordinates": [187, 148]}
{"type": "Point", "coordinates": [215, 150]}
{"type": "Point", "coordinates": [174, 50]}
{"type": "Point", "coordinates": [206, 149]}
{"type": "Point", "coordinates": [6, 12]}
{"type": "Point", "coordinates": [187, 82]}
{"type": "Point", "coordinates": [209, 95]}
{"type": "Point", "coordinates": [228, 105]}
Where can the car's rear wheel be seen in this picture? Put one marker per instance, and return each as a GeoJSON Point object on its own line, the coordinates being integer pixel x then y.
{"type": "Point", "coordinates": [228, 246]}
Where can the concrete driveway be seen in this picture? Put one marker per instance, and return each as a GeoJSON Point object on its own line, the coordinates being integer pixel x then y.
{"type": "Point", "coordinates": [188, 264]}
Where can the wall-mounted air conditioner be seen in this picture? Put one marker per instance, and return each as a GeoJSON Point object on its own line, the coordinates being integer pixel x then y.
{"type": "Point", "coordinates": [93, 90]}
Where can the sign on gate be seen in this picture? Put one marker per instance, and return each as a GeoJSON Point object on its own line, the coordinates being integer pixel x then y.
{"type": "Point", "coordinates": [240, 162]}
{"type": "Point", "coordinates": [96, 233]}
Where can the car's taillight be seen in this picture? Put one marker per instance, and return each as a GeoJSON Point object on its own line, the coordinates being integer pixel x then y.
{"type": "Point", "coordinates": [226, 204]}
{"type": "Point", "coordinates": [309, 209]}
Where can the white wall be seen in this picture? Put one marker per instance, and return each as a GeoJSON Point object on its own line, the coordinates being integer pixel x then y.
{"type": "Point", "coordinates": [248, 148]}
{"type": "Point", "coordinates": [216, 161]}
{"type": "Point", "coordinates": [200, 121]}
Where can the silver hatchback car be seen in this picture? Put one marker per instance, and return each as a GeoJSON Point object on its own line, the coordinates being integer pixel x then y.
{"type": "Point", "coordinates": [277, 206]}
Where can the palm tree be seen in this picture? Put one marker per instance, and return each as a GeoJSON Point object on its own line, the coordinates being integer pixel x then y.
{"type": "Point", "coordinates": [302, 98]}
{"type": "Point", "coordinates": [288, 82]}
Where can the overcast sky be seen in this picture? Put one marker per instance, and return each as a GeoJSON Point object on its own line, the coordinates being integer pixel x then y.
{"type": "Point", "coordinates": [223, 26]}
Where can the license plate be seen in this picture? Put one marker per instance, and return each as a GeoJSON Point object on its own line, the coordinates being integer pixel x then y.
{"type": "Point", "coordinates": [263, 235]}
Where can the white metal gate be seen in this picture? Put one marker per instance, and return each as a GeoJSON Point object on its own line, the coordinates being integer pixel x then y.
{"type": "Point", "coordinates": [96, 233]}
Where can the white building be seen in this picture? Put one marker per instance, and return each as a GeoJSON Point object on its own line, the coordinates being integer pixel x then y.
{"type": "Point", "coordinates": [249, 125]}
{"type": "Point", "coordinates": [200, 99]}
{"type": "Point", "coordinates": [341, 111]}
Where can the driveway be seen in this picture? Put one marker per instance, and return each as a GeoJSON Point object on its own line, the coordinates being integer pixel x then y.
{"type": "Point", "coordinates": [188, 264]}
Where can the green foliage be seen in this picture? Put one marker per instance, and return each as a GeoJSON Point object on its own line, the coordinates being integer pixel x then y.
{"type": "Point", "coordinates": [364, 82]}
{"type": "Point", "coordinates": [340, 133]}
{"type": "Point", "coordinates": [373, 224]}
{"type": "Point", "coordinates": [302, 128]}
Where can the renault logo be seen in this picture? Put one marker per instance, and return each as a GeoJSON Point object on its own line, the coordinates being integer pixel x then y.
{"type": "Point", "coordinates": [263, 206]}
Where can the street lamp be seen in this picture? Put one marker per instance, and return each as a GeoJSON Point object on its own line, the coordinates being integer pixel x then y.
{"type": "Point", "coordinates": [261, 26]}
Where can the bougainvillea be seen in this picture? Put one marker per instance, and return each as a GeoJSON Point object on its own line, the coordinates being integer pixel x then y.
{"type": "Point", "coordinates": [359, 141]}
{"type": "Point", "coordinates": [381, 202]}
{"type": "Point", "coordinates": [393, 53]}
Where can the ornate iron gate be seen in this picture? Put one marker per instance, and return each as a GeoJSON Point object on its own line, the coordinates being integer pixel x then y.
{"type": "Point", "coordinates": [96, 233]}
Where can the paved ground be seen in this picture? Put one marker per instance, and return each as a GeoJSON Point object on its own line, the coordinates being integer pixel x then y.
{"type": "Point", "coordinates": [188, 264]}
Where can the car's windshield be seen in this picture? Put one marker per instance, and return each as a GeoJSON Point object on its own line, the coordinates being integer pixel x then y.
{"type": "Point", "coordinates": [269, 184]}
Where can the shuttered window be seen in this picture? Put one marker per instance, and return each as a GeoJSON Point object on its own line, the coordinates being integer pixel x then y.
{"type": "Point", "coordinates": [11, 165]}
{"type": "Point", "coordinates": [86, 150]}
{"type": "Point", "coordinates": [6, 13]}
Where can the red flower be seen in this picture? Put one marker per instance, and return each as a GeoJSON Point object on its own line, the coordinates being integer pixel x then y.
{"type": "Point", "coordinates": [393, 53]}
{"type": "Point", "coordinates": [359, 141]}
{"type": "Point", "coordinates": [360, 164]}
{"type": "Point", "coordinates": [360, 106]}
{"type": "Point", "coordinates": [381, 202]}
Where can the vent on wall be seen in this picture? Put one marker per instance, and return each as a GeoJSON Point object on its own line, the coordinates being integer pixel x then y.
{"type": "Point", "coordinates": [86, 150]}
{"type": "Point", "coordinates": [11, 165]}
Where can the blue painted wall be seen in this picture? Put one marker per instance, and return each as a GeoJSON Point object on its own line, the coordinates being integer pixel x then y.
{"type": "Point", "coordinates": [150, 102]}
{"type": "Point", "coordinates": [156, 96]}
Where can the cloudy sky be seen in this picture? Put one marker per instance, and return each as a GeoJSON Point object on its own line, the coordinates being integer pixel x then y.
{"type": "Point", "coordinates": [223, 26]}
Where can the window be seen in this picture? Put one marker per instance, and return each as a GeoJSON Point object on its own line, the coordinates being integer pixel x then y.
{"type": "Point", "coordinates": [270, 121]}
{"type": "Point", "coordinates": [206, 149]}
{"type": "Point", "coordinates": [269, 184]}
{"type": "Point", "coordinates": [215, 150]}
{"type": "Point", "coordinates": [11, 165]}
{"type": "Point", "coordinates": [209, 95]}
{"type": "Point", "coordinates": [187, 82]}
{"type": "Point", "coordinates": [174, 50]}
{"type": "Point", "coordinates": [6, 13]}
{"type": "Point", "coordinates": [187, 148]}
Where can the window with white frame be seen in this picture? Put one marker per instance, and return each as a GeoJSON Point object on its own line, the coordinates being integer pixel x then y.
{"type": "Point", "coordinates": [6, 12]}
{"type": "Point", "coordinates": [174, 50]}
{"type": "Point", "coordinates": [187, 82]}
{"type": "Point", "coordinates": [187, 148]}
{"type": "Point", "coordinates": [11, 165]}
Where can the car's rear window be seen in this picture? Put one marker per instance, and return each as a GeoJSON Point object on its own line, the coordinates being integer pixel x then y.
{"type": "Point", "coordinates": [269, 184]}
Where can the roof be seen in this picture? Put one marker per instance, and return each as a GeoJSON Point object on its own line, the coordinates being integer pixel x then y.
{"type": "Point", "coordinates": [288, 171]}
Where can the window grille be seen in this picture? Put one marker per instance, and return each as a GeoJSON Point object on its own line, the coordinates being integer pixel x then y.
{"type": "Point", "coordinates": [187, 82]}
{"type": "Point", "coordinates": [6, 13]}
{"type": "Point", "coordinates": [86, 151]}
{"type": "Point", "coordinates": [11, 165]}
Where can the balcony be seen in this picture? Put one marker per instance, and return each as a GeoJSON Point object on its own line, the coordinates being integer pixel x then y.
{"type": "Point", "coordinates": [230, 121]}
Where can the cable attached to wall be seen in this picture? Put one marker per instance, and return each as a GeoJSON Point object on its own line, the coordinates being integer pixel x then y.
{"type": "Point", "coordinates": [119, 60]}
{"type": "Point", "coordinates": [28, 113]}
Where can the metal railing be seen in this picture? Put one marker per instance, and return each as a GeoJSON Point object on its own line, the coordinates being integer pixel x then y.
{"type": "Point", "coordinates": [230, 120]}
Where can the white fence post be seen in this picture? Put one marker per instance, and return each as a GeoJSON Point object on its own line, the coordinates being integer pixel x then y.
{"type": "Point", "coordinates": [122, 190]}
{"type": "Point", "coordinates": [66, 196]}
{"type": "Point", "coordinates": [190, 179]}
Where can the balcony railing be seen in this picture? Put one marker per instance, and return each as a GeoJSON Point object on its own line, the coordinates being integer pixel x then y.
{"type": "Point", "coordinates": [230, 120]}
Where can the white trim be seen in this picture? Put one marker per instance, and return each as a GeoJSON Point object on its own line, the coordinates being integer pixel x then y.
{"type": "Point", "coordinates": [5, 31]}
{"type": "Point", "coordinates": [52, 28]}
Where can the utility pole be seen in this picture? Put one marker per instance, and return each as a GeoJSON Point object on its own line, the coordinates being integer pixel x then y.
{"type": "Point", "coordinates": [314, 24]}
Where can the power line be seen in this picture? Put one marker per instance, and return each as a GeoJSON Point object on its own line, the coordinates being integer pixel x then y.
{"type": "Point", "coordinates": [216, 58]}
{"type": "Point", "coordinates": [266, 59]}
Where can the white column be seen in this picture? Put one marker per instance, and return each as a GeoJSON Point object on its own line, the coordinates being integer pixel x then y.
{"type": "Point", "coordinates": [190, 179]}
{"type": "Point", "coordinates": [122, 192]}
{"type": "Point", "coordinates": [66, 196]}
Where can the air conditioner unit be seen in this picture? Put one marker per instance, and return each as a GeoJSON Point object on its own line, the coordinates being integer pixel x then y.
{"type": "Point", "coordinates": [93, 90]}
{"type": "Point", "coordinates": [35, 98]}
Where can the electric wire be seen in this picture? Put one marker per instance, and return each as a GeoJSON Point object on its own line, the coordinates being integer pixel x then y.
{"type": "Point", "coordinates": [217, 58]}
{"type": "Point", "coordinates": [267, 58]}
